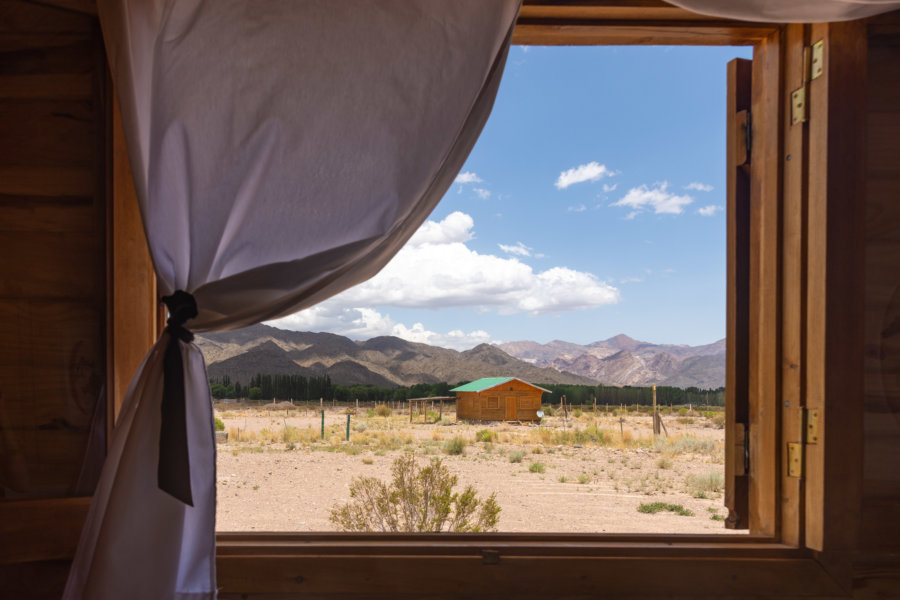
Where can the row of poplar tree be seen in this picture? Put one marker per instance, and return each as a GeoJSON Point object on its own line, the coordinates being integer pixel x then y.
{"type": "Point", "coordinates": [300, 388]}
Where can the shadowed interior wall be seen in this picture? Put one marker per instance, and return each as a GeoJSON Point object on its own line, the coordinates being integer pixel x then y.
{"type": "Point", "coordinates": [52, 263]}
{"type": "Point", "coordinates": [880, 527]}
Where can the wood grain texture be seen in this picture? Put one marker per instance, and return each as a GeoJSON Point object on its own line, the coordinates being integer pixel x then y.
{"type": "Point", "coordinates": [740, 79]}
{"type": "Point", "coordinates": [132, 305]}
{"type": "Point", "coordinates": [544, 32]}
{"type": "Point", "coordinates": [835, 306]}
{"type": "Point", "coordinates": [425, 576]}
{"type": "Point", "coordinates": [765, 295]}
{"type": "Point", "coordinates": [52, 247]}
{"type": "Point", "coordinates": [39, 530]}
{"type": "Point", "coordinates": [793, 270]}
{"type": "Point", "coordinates": [880, 520]}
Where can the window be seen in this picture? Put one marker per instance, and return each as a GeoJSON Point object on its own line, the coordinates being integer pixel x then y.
{"type": "Point", "coordinates": [772, 560]}
{"type": "Point", "coordinates": [493, 402]}
{"type": "Point", "coordinates": [618, 565]}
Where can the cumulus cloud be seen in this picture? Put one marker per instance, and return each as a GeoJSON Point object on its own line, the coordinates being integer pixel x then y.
{"type": "Point", "coordinates": [365, 323]}
{"type": "Point", "coordinates": [609, 187]}
{"type": "Point", "coordinates": [519, 249]}
{"type": "Point", "coordinates": [708, 211]}
{"type": "Point", "coordinates": [700, 187]}
{"type": "Point", "coordinates": [482, 193]}
{"type": "Point", "coordinates": [467, 177]}
{"type": "Point", "coordinates": [437, 269]}
{"type": "Point", "coordinates": [592, 171]}
{"type": "Point", "coordinates": [656, 198]}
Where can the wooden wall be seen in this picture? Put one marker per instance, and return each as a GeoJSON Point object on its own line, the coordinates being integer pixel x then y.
{"type": "Point", "coordinates": [880, 526]}
{"type": "Point", "coordinates": [479, 407]}
{"type": "Point", "coordinates": [52, 246]}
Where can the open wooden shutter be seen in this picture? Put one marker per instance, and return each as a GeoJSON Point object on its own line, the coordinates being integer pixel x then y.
{"type": "Point", "coordinates": [738, 294]}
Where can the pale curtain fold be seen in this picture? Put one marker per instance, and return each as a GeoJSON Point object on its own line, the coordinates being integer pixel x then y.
{"type": "Point", "coordinates": [789, 11]}
{"type": "Point", "coordinates": [282, 151]}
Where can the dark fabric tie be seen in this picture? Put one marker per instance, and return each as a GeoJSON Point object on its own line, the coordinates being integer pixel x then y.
{"type": "Point", "coordinates": [174, 469]}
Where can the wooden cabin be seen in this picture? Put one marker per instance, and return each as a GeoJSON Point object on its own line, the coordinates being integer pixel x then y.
{"type": "Point", "coordinates": [498, 399]}
{"type": "Point", "coordinates": [813, 452]}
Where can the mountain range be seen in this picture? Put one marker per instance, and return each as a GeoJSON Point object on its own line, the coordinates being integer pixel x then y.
{"type": "Point", "coordinates": [391, 361]}
{"type": "Point", "coordinates": [622, 360]}
{"type": "Point", "coordinates": [382, 361]}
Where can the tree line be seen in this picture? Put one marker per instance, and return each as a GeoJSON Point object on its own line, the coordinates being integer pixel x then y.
{"type": "Point", "coordinates": [300, 388]}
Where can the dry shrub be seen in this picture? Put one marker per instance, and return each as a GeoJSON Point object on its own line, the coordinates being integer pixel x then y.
{"type": "Point", "coordinates": [486, 435]}
{"type": "Point", "coordinates": [242, 435]}
{"type": "Point", "coordinates": [416, 500]}
{"type": "Point", "coordinates": [455, 446]}
{"type": "Point", "coordinates": [383, 410]}
{"type": "Point", "coordinates": [705, 484]}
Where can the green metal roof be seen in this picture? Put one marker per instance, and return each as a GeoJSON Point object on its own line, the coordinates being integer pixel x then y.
{"type": "Point", "coordinates": [488, 382]}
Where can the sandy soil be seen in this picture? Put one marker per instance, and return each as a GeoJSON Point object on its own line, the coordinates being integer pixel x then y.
{"type": "Point", "coordinates": [265, 484]}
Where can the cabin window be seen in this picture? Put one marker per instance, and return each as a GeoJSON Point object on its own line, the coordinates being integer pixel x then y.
{"type": "Point", "coordinates": [493, 402]}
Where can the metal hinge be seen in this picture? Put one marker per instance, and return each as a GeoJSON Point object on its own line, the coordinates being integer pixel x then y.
{"type": "Point", "coordinates": [812, 68]}
{"type": "Point", "coordinates": [796, 455]}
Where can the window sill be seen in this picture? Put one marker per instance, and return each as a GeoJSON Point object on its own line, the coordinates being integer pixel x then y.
{"type": "Point", "coordinates": [334, 565]}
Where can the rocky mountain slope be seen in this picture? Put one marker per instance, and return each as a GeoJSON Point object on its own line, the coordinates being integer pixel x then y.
{"type": "Point", "coordinates": [625, 361]}
{"type": "Point", "coordinates": [383, 361]}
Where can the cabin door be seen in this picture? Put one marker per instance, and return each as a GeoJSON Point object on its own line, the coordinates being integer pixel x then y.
{"type": "Point", "coordinates": [510, 403]}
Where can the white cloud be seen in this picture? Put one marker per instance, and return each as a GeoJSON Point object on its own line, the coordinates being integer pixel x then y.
{"type": "Point", "coordinates": [577, 209]}
{"type": "Point", "coordinates": [467, 177]}
{"type": "Point", "coordinates": [700, 187]}
{"type": "Point", "coordinates": [708, 211]}
{"type": "Point", "coordinates": [456, 228]}
{"type": "Point", "coordinates": [437, 269]}
{"type": "Point", "coordinates": [519, 249]}
{"type": "Point", "coordinates": [365, 323]}
{"type": "Point", "coordinates": [657, 198]}
{"type": "Point", "coordinates": [592, 171]}
{"type": "Point", "coordinates": [609, 187]}
{"type": "Point", "coordinates": [482, 193]}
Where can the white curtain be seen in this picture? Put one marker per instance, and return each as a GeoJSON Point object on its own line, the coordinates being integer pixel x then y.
{"type": "Point", "coordinates": [789, 11]}
{"type": "Point", "coordinates": [282, 151]}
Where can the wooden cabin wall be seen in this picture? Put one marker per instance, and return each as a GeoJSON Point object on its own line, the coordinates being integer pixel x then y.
{"type": "Point", "coordinates": [53, 290]}
{"type": "Point", "coordinates": [52, 245]}
{"type": "Point", "coordinates": [474, 405]}
{"type": "Point", "coordinates": [880, 523]}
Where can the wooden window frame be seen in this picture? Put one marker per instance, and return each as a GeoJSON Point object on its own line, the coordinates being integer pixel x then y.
{"type": "Point", "coordinates": [799, 217]}
{"type": "Point", "coordinates": [774, 559]}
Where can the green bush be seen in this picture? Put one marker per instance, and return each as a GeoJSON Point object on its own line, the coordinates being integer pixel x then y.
{"type": "Point", "coordinates": [548, 411]}
{"type": "Point", "coordinates": [537, 467]}
{"type": "Point", "coordinates": [220, 425]}
{"type": "Point", "coordinates": [516, 456]}
{"type": "Point", "coordinates": [655, 507]}
{"type": "Point", "coordinates": [416, 500]}
{"type": "Point", "coordinates": [455, 446]}
{"type": "Point", "coordinates": [486, 435]}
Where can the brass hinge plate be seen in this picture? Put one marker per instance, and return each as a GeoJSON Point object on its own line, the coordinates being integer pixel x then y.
{"type": "Point", "coordinates": [798, 105]}
{"type": "Point", "coordinates": [811, 426]}
{"type": "Point", "coordinates": [817, 66]}
{"type": "Point", "coordinates": [795, 459]}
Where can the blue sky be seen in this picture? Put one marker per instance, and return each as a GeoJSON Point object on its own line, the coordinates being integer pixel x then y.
{"type": "Point", "coordinates": [592, 205]}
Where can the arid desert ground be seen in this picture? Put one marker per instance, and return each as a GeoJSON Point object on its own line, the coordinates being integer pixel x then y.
{"type": "Point", "coordinates": [589, 472]}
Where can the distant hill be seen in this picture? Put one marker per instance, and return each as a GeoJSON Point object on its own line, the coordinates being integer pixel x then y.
{"type": "Point", "coordinates": [621, 360]}
{"type": "Point", "coordinates": [382, 361]}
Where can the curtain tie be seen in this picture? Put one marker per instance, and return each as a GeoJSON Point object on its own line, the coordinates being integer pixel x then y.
{"type": "Point", "coordinates": [174, 468]}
